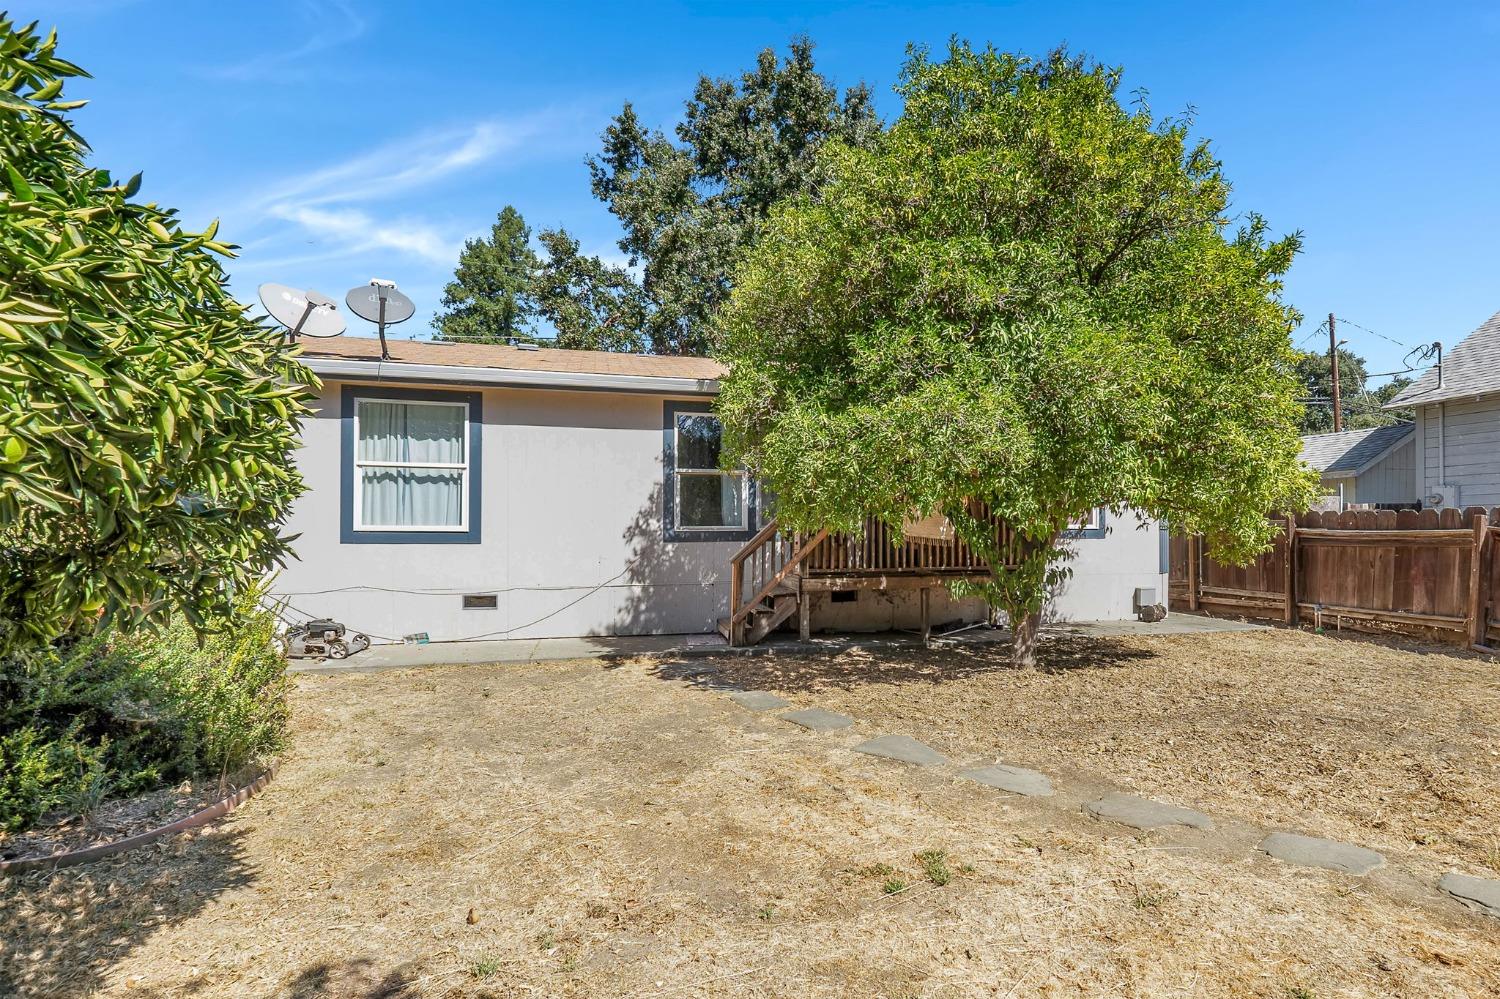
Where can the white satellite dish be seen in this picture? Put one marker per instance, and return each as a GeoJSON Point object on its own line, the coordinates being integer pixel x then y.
{"type": "Point", "coordinates": [380, 303]}
{"type": "Point", "coordinates": [305, 313]}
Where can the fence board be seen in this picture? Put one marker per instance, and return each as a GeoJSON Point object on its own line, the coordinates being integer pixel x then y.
{"type": "Point", "coordinates": [1407, 568]}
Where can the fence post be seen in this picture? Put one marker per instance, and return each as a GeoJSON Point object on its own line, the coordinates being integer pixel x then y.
{"type": "Point", "coordinates": [1290, 569]}
{"type": "Point", "coordinates": [1478, 579]}
{"type": "Point", "coordinates": [1192, 567]}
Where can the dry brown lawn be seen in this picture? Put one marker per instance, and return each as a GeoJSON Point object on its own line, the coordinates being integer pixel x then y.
{"type": "Point", "coordinates": [592, 829]}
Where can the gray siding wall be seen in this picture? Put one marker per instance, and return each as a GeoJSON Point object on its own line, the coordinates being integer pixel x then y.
{"type": "Point", "coordinates": [572, 540]}
{"type": "Point", "coordinates": [1470, 449]}
{"type": "Point", "coordinates": [1392, 479]}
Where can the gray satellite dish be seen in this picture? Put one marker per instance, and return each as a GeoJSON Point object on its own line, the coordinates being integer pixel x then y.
{"type": "Point", "coordinates": [307, 313]}
{"type": "Point", "coordinates": [381, 304]}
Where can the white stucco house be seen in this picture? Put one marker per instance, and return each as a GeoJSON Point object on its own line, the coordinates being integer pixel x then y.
{"type": "Point", "coordinates": [1374, 466]}
{"type": "Point", "coordinates": [468, 491]}
{"type": "Point", "coordinates": [1457, 410]}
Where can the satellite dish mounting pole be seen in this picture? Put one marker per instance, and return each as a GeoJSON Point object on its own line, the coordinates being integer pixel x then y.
{"type": "Point", "coordinates": [291, 334]}
{"type": "Point", "coordinates": [385, 354]}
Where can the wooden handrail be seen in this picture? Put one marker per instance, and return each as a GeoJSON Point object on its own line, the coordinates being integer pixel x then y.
{"type": "Point", "coordinates": [761, 537]}
{"type": "Point", "coordinates": [743, 612]}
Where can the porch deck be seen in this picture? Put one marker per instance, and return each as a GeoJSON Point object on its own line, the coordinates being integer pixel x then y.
{"type": "Point", "coordinates": [773, 576]}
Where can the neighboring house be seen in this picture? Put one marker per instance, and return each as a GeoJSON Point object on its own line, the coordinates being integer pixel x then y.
{"type": "Point", "coordinates": [1457, 406]}
{"type": "Point", "coordinates": [1375, 466]}
{"type": "Point", "coordinates": [484, 491]}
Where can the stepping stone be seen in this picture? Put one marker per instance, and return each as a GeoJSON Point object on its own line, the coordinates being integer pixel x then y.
{"type": "Point", "coordinates": [1143, 813]}
{"type": "Point", "coordinates": [1477, 893]}
{"type": "Point", "coordinates": [1016, 780]}
{"type": "Point", "coordinates": [818, 720]}
{"type": "Point", "coordinates": [757, 700]}
{"type": "Point", "coordinates": [902, 749]}
{"type": "Point", "coordinates": [686, 671]}
{"type": "Point", "coordinates": [1309, 851]}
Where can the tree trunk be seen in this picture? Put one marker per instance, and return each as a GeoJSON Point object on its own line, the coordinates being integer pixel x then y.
{"type": "Point", "coordinates": [1023, 634]}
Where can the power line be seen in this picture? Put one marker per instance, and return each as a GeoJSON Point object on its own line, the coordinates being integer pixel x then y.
{"type": "Point", "coordinates": [1387, 339]}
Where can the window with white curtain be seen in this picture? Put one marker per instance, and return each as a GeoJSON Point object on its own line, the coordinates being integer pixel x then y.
{"type": "Point", "coordinates": [707, 498]}
{"type": "Point", "coordinates": [411, 465]}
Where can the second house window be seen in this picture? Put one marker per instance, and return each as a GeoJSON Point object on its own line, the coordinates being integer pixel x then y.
{"type": "Point", "coordinates": [708, 499]}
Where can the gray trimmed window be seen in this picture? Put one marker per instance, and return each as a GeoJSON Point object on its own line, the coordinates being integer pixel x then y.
{"type": "Point", "coordinates": [1093, 526]}
{"type": "Point", "coordinates": [702, 501]}
{"type": "Point", "coordinates": [410, 466]}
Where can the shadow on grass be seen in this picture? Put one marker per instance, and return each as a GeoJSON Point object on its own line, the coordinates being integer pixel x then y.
{"type": "Point", "coordinates": [355, 978]}
{"type": "Point", "coordinates": [64, 930]}
{"type": "Point", "coordinates": [864, 664]}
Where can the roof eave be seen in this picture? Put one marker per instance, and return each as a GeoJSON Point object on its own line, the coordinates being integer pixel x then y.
{"type": "Point", "coordinates": [1408, 401]}
{"type": "Point", "coordinates": [405, 371]}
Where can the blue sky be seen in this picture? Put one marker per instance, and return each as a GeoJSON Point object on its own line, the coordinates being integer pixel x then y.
{"type": "Point", "coordinates": [340, 141]}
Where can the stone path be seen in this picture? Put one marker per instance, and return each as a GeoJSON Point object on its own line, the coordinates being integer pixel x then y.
{"type": "Point", "coordinates": [757, 700]}
{"type": "Point", "coordinates": [1480, 894]}
{"type": "Point", "coordinates": [818, 720]}
{"type": "Point", "coordinates": [1016, 780]}
{"type": "Point", "coordinates": [1477, 893]}
{"type": "Point", "coordinates": [1310, 851]}
{"type": "Point", "coordinates": [1143, 813]}
{"type": "Point", "coordinates": [903, 749]}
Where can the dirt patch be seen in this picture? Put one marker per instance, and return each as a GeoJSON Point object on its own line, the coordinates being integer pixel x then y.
{"type": "Point", "coordinates": [580, 830]}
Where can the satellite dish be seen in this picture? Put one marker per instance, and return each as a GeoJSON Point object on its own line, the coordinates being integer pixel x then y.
{"type": "Point", "coordinates": [308, 313]}
{"type": "Point", "coordinates": [380, 303]}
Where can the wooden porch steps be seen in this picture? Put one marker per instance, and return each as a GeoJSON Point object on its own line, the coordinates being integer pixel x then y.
{"type": "Point", "coordinates": [780, 604]}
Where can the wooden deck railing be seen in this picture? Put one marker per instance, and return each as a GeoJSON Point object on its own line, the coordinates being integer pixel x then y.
{"type": "Point", "coordinates": [772, 557]}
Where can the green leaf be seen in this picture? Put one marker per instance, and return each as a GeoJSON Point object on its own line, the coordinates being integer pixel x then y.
{"type": "Point", "coordinates": [18, 185]}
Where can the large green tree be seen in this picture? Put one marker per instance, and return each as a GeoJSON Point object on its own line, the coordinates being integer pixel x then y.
{"type": "Point", "coordinates": [1026, 294]}
{"type": "Point", "coordinates": [488, 299]}
{"type": "Point", "coordinates": [689, 206]}
{"type": "Point", "coordinates": [147, 423]}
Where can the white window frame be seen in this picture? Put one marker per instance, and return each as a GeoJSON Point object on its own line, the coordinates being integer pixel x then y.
{"type": "Point", "coordinates": [357, 466]}
{"type": "Point", "coordinates": [678, 472]}
{"type": "Point", "coordinates": [1089, 523]}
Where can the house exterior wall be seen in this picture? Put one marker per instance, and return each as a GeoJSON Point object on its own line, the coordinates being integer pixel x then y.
{"type": "Point", "coordinates": [1392, 479]}
{"type": "Point", "coordinates": [1460, 445]}
{"type": "Point", "coordinates": [572, 541]}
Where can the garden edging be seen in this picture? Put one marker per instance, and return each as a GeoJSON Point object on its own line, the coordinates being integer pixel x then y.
{"type": "Point", "coordinates": [201, 817]}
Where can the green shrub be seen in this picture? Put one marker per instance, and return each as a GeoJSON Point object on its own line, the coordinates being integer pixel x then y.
{"type": "Point", "coordinates": [114, 714]}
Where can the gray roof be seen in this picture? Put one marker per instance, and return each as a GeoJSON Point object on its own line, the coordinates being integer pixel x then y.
{"type": "Point", "coordinates": [1352, 451]}
{"type": "Point", "coordinates": [1472, 368]}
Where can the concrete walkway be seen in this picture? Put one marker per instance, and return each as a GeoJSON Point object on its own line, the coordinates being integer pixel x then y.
{"type": "Point", "coordinates": [525, 650]}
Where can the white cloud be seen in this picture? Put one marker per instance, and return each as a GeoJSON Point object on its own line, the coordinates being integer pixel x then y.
{"type": "Point", "coordinates": [327, 25]}
{"type": "Point", "coordinates": [355, 228]}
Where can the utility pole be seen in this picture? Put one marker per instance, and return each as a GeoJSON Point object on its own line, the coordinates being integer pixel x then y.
{"type": "Point", "coordinates": [1333, 360]}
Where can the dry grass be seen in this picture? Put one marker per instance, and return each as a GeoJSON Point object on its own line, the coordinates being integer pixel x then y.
{"type": "Point", "coordinates": [574, 829]}
{"type": "Point", "coordinates": [1394, 746]}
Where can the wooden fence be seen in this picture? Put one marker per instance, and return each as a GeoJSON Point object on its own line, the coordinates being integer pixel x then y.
{"type": "Point", "coordinates": [1433, 571]}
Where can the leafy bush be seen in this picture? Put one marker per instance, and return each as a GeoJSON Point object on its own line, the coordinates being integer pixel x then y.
{"type": "Point", "coordinates": [119, 714]}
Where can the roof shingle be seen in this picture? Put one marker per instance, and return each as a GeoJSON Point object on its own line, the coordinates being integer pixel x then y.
{"type": "Point", "coordinates": [491, 355]}
{"type": "Point", "coordinates": [1351, 450]}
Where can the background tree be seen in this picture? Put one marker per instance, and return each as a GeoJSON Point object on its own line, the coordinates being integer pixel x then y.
{"type": "Point", "coordinates": [1028, 295]}
{"type": "Point", "coordinates": [688, 207]}
{"type": "Point", "coordinates": [589, 304]}
{"type": "Point", "coordinates": [1361, 406]}
{"type": "Point", "coordinates": [147, 424]}
{"type": "Point", "coordinates": [488, 299]}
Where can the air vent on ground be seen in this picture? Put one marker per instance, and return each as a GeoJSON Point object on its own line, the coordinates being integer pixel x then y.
{"type": "Point", "coordinates": [844, 596]}
{"type": "Point", "coordinates": [480, 601]}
